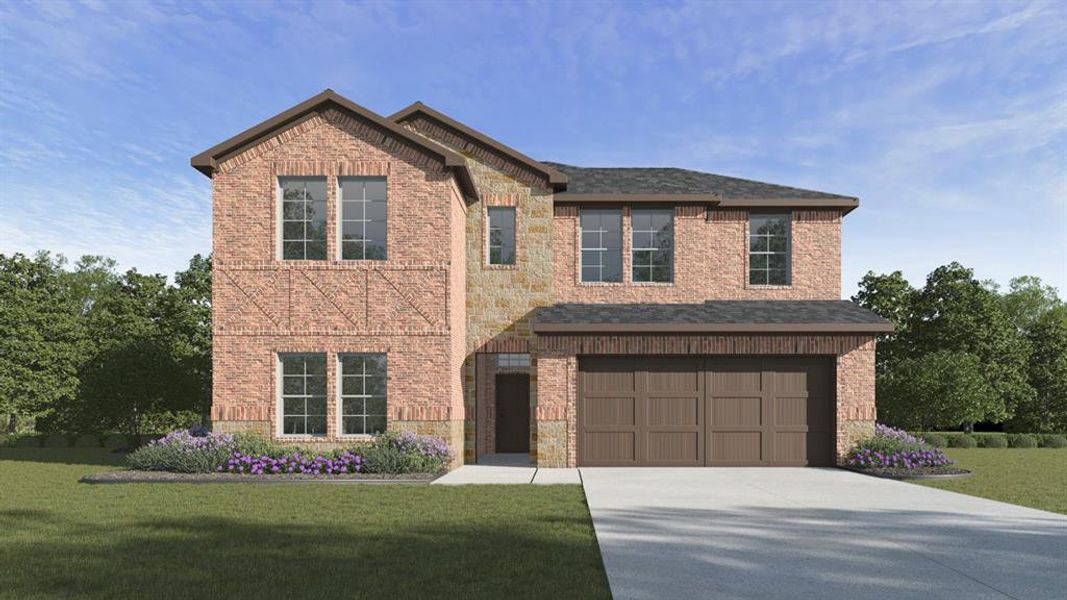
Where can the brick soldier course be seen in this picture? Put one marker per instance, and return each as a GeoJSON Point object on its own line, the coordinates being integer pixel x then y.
{"type": "Point", "coordinates": [442, 314]}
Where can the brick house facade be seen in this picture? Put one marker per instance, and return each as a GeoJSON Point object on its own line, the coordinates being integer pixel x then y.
{"type": "Point", "coordinates": [440, 322]}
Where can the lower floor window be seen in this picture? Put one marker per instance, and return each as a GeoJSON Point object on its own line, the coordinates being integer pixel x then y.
{"type": "Point", "coordinates": [362, 393]}
{"type": "Point", "coordinates": [303, 394]}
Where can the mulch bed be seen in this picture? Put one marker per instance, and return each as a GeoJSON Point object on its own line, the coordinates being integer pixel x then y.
{"type": "Point", "coordinates": [946, 472]}
{"type": "Point", "coordinates": [168, 477]}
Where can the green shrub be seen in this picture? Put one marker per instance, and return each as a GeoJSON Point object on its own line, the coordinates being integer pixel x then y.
{"type": "Point", "coordinates": [87, 440]}
{"type": "Point", "coordinates": [384, 458]}
{"type": "Point", "coordinates": [183, 451]}
{"type": "Point", "coordinates": [993, 441]}
{"type": "Point", "coordinates": [963, 441]}
{"type": "Point", "coordinates": [56, 441]}
{"type": "Point", "coordinates": [254, 444]}
{"type": "Point", "coordinates": [1054, 441]}
{"type": "Point", "coordinates": [935, 439]}
{"type": "Point", "coordinates": [28, 441]}
{"type": "Point", "coordinates": [1022, 440]}
{"type": "Point", "coordinates": [115, 441]}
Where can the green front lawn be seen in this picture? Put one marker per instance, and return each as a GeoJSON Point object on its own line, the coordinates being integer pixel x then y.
{"type": "Point", "coordinates": [61, 538]}
{"type": "Point", "coordinates": [1035, 477]}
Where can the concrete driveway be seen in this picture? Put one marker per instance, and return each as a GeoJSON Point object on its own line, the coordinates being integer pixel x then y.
{"type": "Point", "coordinates": [816, 533]}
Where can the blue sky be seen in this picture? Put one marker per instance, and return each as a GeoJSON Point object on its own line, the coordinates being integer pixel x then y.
{"type": "Point", "coordinates": [949, 121]}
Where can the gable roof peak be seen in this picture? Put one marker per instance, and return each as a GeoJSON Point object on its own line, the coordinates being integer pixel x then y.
{"type": "Point", "coordinates": [207, 161]}
{"type": "Point", "coordinates": [556, 179]}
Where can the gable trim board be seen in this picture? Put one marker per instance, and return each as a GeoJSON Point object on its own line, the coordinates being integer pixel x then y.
{"type": "Point", "coordinates": [207, 161]}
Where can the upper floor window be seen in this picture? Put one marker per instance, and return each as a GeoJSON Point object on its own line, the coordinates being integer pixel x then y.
{"type": "Point", "coordinates": [363, 221]}
{"type": "Point", "coordinates": [303, 394]}
{"type": "Point", "coordinates": [501, 235]}
{"type": "Point", "coordinates": [303, 218]}
{"type": "Point", "coordinates": [768, 249]}
{"type": "Point", "coordinates": [362, 393]}
{"type": "Point", "coordinates": [653, 244]}
{"type": "Point", "coordinates": [601, 230]}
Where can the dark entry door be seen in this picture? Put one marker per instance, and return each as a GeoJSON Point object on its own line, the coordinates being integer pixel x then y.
{"type": "Point", "coordinates": [512, 413]}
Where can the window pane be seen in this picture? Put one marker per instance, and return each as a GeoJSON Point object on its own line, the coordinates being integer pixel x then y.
{"type": "Point", "coordinates": [351, 230]}
{"type": "Point", "coordinates": [777, 277]}
{"type": "Point", "coordinates": [641, 274]}
{"type": "Point", "coordinates": [376, 211]}
{"type": "Point", "coordinates": [352, 210]}
{"type": "Point", "coordinates": [661, 273]}
{"type": "Point", "coordinates": [293, 211]}
{"type": "Point", "coordinates": [293, 250]}
{"type": "Point", "coordinates": [351, 189]}
{"type": "Point", "coordinates": [590, 274]}
{"type": "Point", "coordinates": [776, 261]}
{"type": "Point", "coordinates": [375, 406]}
{"type": "Point", "coordinates": [495, 257]}
{"type": "Point", "coordinates": [375, 425]}
{"type": "Point", "coordinates": [352, 425]}
{"type": "Point", "coordinates": [758, 243]}
{"type": "Point", "coordinates": [316, 189]}
{"type": "Point", "coordinates": [375, 189]}
{"type": "Point", "coordinates": [777, 243]}
{"type": "Point", "coordinates": [757, 277]}
{"type": "Point", "coordinates": [376, 241]}
{"type": "Point", "coordinates": [642, 239]}
{"type": "Point", "coordinates": [316, 250]}
{"type": "Point", "coordinates": [613, 267]}
{"type": "Point", "coordinates": [590, 239]}
{"type": "Point", "coordinates": [758, 261]}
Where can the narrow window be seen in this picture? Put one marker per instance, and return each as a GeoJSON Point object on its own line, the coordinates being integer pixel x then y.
{"type": "Point", "coordinates": [303, 394]}
{"type": "Point", "coordinates": [363, 219]}
{"type": "Point", "coordinates": [768, 249]}
{"type": "Point", "coordinates": [362, 390]}
{"type": "Point", "coordinates": [653, 244]}
{"type": "Point", "coordinates": [303, 222]}
{"type": "Point", "coordinates": [501, 235]}
{"type": "Point", "coordinates": [601, 230]}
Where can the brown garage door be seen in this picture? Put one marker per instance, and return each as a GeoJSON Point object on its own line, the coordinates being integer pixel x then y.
{"type": "Point", "coordinates": [696, 411]}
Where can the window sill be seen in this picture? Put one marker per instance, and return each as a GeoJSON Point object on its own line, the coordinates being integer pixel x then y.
{"type": "Point", "coordinates": [602, 284]}
{"type": "Point", "coordinates": [768, 287]}
{"type": "Point", "coordinates": [653, 284]}
{"type": "Point", "coordinates": [492, 267]}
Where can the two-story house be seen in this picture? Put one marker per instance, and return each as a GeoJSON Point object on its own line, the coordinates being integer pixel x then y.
{"type": "Point", "coordinates": [411, 273]}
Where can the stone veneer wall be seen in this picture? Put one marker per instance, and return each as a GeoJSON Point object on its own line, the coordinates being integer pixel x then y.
{"type": "Point", "coordinates": [406, 306]}
{"type": "Point", "coordinates": [557, 373]}
{"type": "Point", "coordinates": [711, 259]}
{"type": "Point", "coordinates": [500, 298]}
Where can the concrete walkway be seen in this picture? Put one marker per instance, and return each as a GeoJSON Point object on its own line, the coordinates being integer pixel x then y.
{"type": "Point", "coordinates": [507, 469]}
{"type": "Point", "coordinates": [815, 533]}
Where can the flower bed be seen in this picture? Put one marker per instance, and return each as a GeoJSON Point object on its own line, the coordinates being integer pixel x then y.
{"type": "Point", "coordinates": [197, 450]}
{"type": "Point", "coordinates": [896, 453]}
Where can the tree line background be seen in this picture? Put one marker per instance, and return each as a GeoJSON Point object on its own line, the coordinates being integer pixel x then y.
{"type": "Point", "coordinates": [85, 348]}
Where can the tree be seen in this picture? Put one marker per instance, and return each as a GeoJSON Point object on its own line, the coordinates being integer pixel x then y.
{"type": "Point", "coordinates": [891, 297]}
{"type": "Point", "coordinates": [1028, 300]}
{"type": "Point", "coordinates": [941, 389]}
{"type": "Point", "coordinates": [1046, 411]}
{"type": "Point", "coordinates": [186, 324]}
{"type": "Point", "coordinates": [955, 312]}
{"type": "Point", "coordinates": [39, 337]}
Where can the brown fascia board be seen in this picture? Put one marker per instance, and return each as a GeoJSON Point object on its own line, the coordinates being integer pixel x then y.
{"type": "Point", "coordinates": [206, 161]}
{"type": "Point", "coordinates": [555, 178]}
{"type": "Point", "coordinates": [845, 204]}
{"type": "Point", "coordinates": [583, 328]}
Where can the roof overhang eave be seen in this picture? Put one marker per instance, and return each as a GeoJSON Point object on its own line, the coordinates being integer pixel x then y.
{"type": "Point", "coordinates": [735, 328]}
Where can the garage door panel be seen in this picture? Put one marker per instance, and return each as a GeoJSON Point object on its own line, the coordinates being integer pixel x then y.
{"type": "Point", "coordinates": [609, 376]}
{"type": "Point", "coordinates": [609, 412]}
{"type": "Point", "coordinates": [736, 378]}
{"type": "Point", "coordinates": [675, 447]}
{"type": "Point", "coordinates": [790, 447]}
{"type": "Point", "coordinates": [679, 378]}
{"type": "Point", "coordinates": [791, 411]}
{"type": "Point", "coordinates": [679, 412]}
{"type": "Point", "coordinates": [609, 447]}
{"type": "Point", "coordinates": [736, 447]}
{"type": "Point", "coordinates": [728, 411]}
{"type": "Point", "coordinates": [736, 412]}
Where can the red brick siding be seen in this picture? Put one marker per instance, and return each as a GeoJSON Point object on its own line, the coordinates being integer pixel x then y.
{"type": "Point", "coordinates": [410, 307]}
{"type": "Point", "coordinates": [710, 259]}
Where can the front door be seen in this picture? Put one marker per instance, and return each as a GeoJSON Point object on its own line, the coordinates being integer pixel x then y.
{"type": "Point", "coordinates": [512, 413]}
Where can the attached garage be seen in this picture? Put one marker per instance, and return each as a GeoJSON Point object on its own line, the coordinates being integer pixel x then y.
{"type": "Point", "coordinates": [714, 411]}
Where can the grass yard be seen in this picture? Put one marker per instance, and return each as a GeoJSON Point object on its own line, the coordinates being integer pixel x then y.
{"type": "Point", "coordinates": [60, 538]}
{"type": "Point", "coordinates": [1035, 477]}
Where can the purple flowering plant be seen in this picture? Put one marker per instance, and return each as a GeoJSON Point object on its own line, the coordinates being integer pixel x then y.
{"type": "Point", "coordinates": [343, 463]}
{"type": "Point", "coordinates": [895, 448]}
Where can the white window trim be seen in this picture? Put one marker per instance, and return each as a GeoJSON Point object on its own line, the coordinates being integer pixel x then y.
{"type": "Point", "coordinates": [514, 233]}
{"type": "Point", "coordinates": [340, 398]}
{"type": "Point", "coordinates": [788, 215]}
{"type": "Point", "coordinates": [279, 400]}
{"type": "Point", "coordinates": [601, 249]}
{"type": "Point", "coordinates": [634, 249]}
{"type": "Point", "coordinates": [339, 207]}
